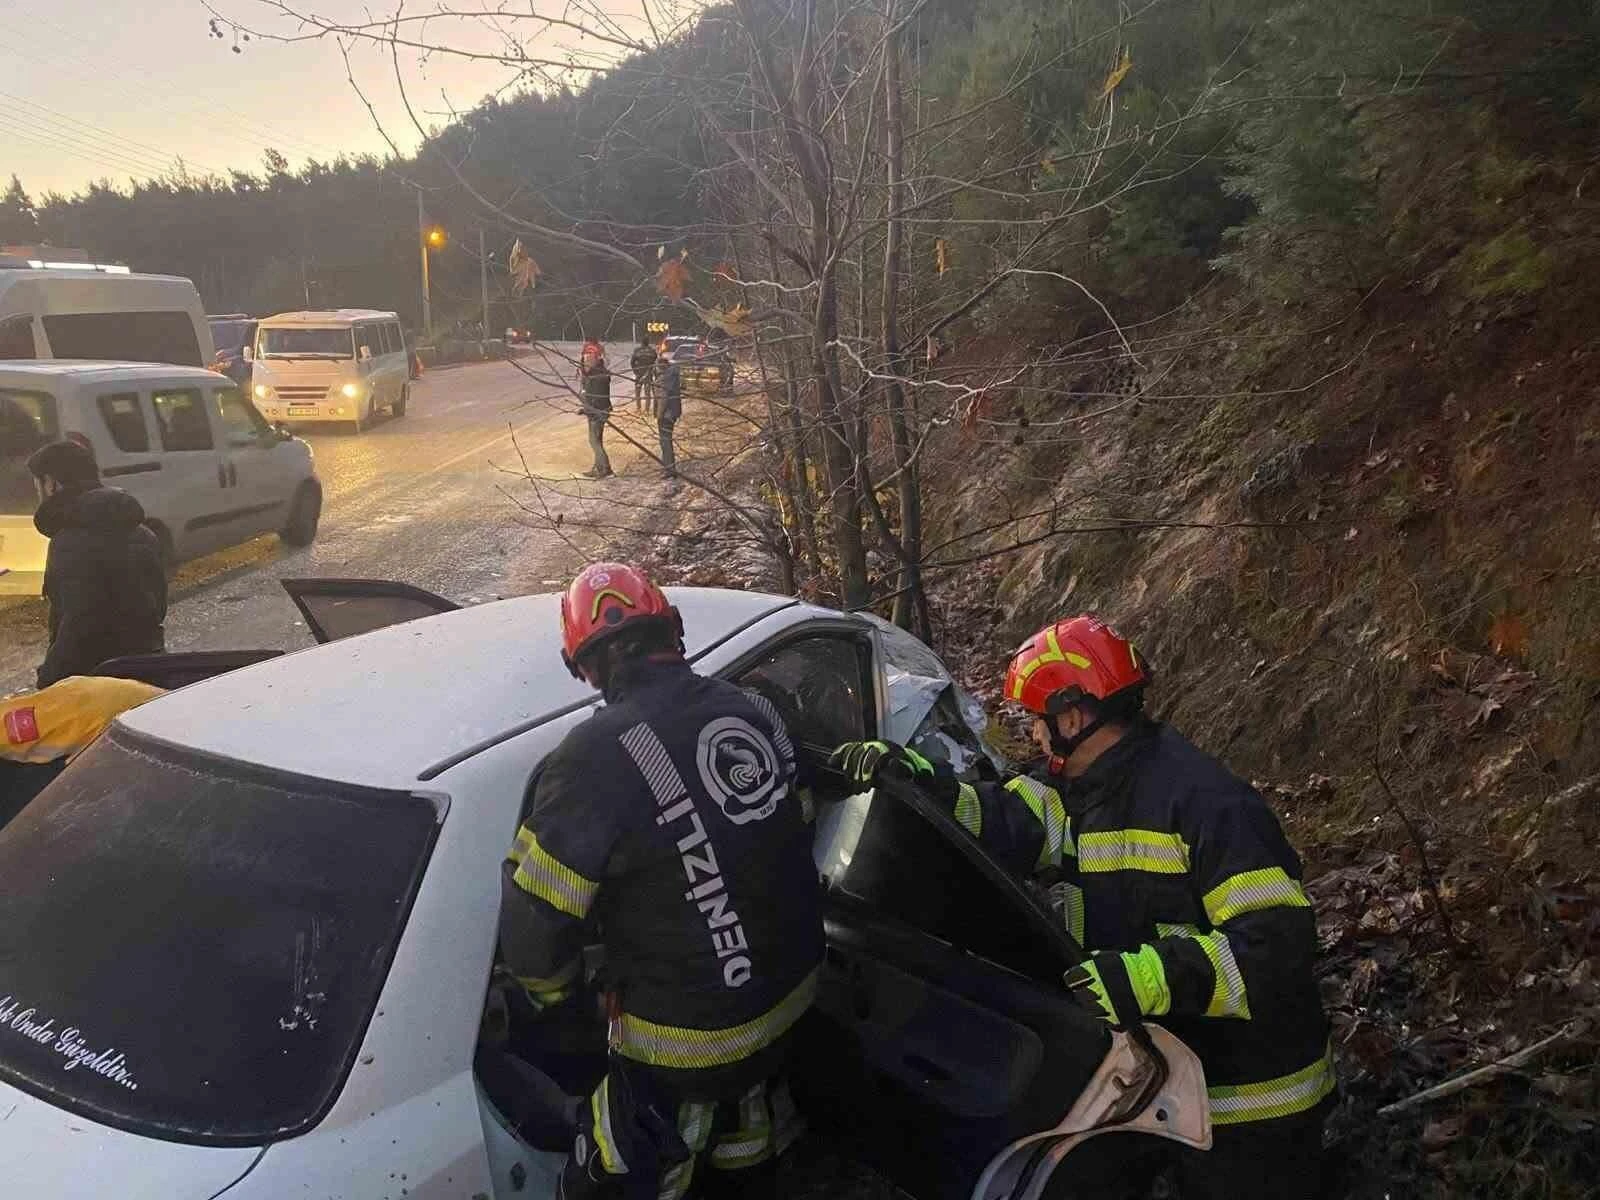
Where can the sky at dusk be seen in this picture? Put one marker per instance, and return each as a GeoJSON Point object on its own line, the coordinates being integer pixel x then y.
{"type": "Point", "coordinates": [113, 89]}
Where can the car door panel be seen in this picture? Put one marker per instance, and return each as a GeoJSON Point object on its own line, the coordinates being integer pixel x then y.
{"type": "Point", "coordinates": [193, 472]}
{"type": "Point", "coordinates": [257, 499]}
{"type": "Point", "coordinates": [341, 608]}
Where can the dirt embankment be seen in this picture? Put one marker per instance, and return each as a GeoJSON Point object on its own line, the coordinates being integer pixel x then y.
{"type": "Point", "coordinates": [1366, 563]}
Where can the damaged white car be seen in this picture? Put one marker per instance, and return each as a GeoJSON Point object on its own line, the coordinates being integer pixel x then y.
{"type": "Point", "coordinates": [248, 939]}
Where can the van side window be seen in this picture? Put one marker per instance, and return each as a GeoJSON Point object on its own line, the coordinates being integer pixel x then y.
{"type": "Point", "coordinates": [181, 416]}
{"type": "Point", "coordinates": [367, 342]}
{"type": "Point", "coordinates": [27, 421]}
{"type": "Point", "coordinates": [158, 337]}
{"type": "Point", "coordinates": [385, 342]}
{"type": "Point", "coordinates": [397, 337]}
{"type": "Point", "coordinates": [16, 336]}
{"type": "Point", "coordinates": [125, 422]}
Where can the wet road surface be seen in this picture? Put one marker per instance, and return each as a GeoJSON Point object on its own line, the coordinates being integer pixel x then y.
{"type": "Point", "coordinates": [428, 499]}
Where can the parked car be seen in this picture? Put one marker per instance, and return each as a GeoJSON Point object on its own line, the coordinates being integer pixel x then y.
{"type": "Point", "coordinates": [82, 310]}
{"type": "Point", "coordinates": [703, 368]}
{"type": "Point", "coordinates": [186, 443]}
{"type": "Point", "coordinates": [331, 366]}
{"type": "Point", "coordinates": [270, 970]}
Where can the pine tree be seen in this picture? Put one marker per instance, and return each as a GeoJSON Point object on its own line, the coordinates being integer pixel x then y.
{"type": "Point", "coordinates": [19, 222]}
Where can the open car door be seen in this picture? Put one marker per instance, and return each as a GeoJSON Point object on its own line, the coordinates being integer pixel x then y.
{"type": "Point", "coordinates": [339, 608]}
{"type": "Point", "coordinates": [943, 1048]}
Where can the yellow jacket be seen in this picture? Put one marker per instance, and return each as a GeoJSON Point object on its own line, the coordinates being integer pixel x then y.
{"type": "Point", "coordinates": [41, 727]}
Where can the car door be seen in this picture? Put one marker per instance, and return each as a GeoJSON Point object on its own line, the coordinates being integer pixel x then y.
{"type": "Point", "coordinates": [341, 608]}
{"type": "Point", "coordinates": [940, 1008]}
{"type": "Point", "coordinates": [194, 478]}
{"type": "Point", "coordinates": [260, 479]}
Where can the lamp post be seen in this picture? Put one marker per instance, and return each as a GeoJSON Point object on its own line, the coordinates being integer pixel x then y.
{"type": "Point", "coordinates": [429, 237]}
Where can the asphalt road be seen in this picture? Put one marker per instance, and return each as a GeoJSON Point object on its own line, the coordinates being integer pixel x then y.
{"type": "Point", "coordinates": [430, 499]}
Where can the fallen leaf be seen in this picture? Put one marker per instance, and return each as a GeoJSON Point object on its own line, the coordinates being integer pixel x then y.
{"type": "Point", "coordinates": [1508, 636]}
{"type": "Point", "coordinates": [1438, 1134]}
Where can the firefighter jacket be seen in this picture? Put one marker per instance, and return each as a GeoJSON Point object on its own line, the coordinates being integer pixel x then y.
{"type": "Point", "coordinates": [671, 818]}
{"type": "Point", "coordinates": [1159, 845]}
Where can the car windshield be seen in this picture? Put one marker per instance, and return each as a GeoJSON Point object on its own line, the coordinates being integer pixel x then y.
{"type": "Point", "coordinates": [294, 342]}
{"type": "Point", "coordinates": [191, 948]}
{"type": "Point", "coordinates": [27, 421]}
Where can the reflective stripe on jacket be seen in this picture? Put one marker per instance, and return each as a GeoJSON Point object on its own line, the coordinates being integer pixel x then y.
{"type": "Point", "coordinates": [1159, 844]}
{"type": "Point", "coordinates": [672, 817]}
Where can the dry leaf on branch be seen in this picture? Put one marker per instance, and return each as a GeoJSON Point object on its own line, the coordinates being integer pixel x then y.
{"type": "Point", "coordinates": [672, 280]}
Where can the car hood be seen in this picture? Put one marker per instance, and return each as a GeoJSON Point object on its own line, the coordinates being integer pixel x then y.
{"type": "Point", "coordinates": [47, 1153]}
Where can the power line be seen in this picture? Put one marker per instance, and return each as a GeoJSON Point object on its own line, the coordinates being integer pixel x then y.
{"type": "Point", "coordinates": [231, 122]}
{"type": "Point", "coordinates": [61, 125]}
{"type": "Point", "coordinates": [70, 151]}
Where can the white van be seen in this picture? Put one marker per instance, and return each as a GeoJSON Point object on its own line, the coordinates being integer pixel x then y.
{"type": "Point", "coordinates": [82, 311]}
{"type": "Point", "coordinates": [186, 443]}
{"type": "Point", "coordinates": [331, 366]}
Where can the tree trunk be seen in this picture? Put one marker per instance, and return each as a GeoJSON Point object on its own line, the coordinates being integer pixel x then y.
{"type": "Point", "coordinates": [911, 603]}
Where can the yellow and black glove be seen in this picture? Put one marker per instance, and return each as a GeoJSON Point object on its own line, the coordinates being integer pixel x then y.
{"type": "Point", "coordinates": [1121, 988]}
{"type": "Point", "coordinates": [863, 762]}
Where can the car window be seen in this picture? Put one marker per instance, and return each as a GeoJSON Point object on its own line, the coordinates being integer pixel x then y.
{"type": "Point", "coordinates": [367, 341]}
{"type": "Point", "coordinates": [822, 687]}
{"type": "Point", "coordinates": [125, 422]}
{"type": "Point", "coordinates": [201, 967]}
{"type": "Point", "coordinates": [159, 337]}
{"type": "Point", "coordinates": [27, 421]}
{"type": "Point", "coordinates": [242, 425]}
{"type": "Point", "coordinates": [396, 338]}
{"type": "Point", "coordinates": [230, 336]}
{"type": "Point", "coordinates": [181, 417]}
{"type": "Point", "coordinates": [16, 337]}
{"type": "Point", "coordinates": [882, 851]}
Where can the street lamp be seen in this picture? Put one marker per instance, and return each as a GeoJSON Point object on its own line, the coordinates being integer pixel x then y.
{"type": "Point", "coordinates": [433, 238]}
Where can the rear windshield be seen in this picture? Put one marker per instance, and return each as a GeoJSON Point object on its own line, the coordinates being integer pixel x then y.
{"type": "Point", "coordinates": [158, 337]}
{"type": "Point", "coordinates": [191, 948]}
{"type": "Point", "coordinates": [27, 421]}
{"type": "Point", "coordinates": [306, 343]}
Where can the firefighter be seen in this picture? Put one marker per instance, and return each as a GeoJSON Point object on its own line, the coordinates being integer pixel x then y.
{"type": "Point", "coordinates": [671, 818]}
{"type": "Point", "coordinates": [1176, 878]}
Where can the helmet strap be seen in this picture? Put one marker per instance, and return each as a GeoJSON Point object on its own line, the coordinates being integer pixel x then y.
{"type": "Point", "coordinates": [1063, 747]}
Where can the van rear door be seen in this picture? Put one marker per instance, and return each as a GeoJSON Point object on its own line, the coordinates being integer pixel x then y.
{"type": "Point", "coordinates": [28, 419]}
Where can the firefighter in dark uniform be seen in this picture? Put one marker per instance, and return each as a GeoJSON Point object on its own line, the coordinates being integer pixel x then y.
{"type": "Point", "coordinates": [1177, 879]}
{"type": "Point", "coordinates": [672, 821]}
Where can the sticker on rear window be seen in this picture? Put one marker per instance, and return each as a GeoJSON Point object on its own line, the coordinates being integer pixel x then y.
{"type": "Point", "coordinates": [69, 1043]}
{"type": "Point", "coordinates": [22, 726]}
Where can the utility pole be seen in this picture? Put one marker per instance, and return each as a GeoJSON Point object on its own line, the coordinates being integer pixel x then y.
{"type": "Point", "coordinates": [422, 244]}
{"type": "Point", "coordinates": [483, 282]}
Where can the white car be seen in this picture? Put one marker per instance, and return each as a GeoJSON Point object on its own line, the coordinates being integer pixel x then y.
{"type": "Point", "coordinates": [185, 442]}
{"type": "Point", "coordinates": [248, 939]}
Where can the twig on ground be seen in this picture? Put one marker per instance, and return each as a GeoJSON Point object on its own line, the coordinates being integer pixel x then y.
{"type": "Point", "coordinates": [1421, 847]}
{"type": "Point", "coordinates": [1504, 1066]}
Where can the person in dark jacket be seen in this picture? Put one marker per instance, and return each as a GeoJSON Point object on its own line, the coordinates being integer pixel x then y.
{"type": "Point", "coordinates": [671, 409]}
{"type": "Point", "coordinates": [104, 577]}
{"type": "Point", "coordinates": [672, 820]}
{"type": "Point", "coordinates": [594, 380]}
{"type": "Point", "coordinates": [1176, 878]}
{"type": "Point", "coordinates": [643, 365]}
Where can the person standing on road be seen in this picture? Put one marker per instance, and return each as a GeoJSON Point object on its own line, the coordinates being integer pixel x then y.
{"type": "Point", "coordinates": [671, 408]}
{"type": "Point", "coordinates": [678, 777]}
{"type": "Point", "coordinates": [594, 382]}
{"type": "Point", "coordinates": [104, 578]}
{"type": "Point", "coordinates": [1176, 877]}
{"type": "Point", "coordinates": [643, 364]}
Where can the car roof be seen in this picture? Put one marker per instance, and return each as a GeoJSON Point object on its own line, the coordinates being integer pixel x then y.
{"type": "Point", "coordinates": [92, 370]}
{"type": "Point", "coordinates": [336, 316]}
{"type": "Point", "coordinates": [385, 707]}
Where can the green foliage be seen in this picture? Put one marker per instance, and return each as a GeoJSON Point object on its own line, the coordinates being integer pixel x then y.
{"type": "Point", "coordinates": [1509, 265]}
{"type": "Point", "coordinates": [19, 223]}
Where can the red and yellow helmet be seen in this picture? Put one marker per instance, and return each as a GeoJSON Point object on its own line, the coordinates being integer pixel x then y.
{"type": "Point", "coordinates": [605, 599]}
{"type": "Point", "coordinates": [1081, 657]}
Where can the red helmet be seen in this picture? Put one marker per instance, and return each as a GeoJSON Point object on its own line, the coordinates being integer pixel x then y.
{"type": "Point", "coordinates": [604, 599]}
{"type": "Point", "coordinates": [1071, 660]}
